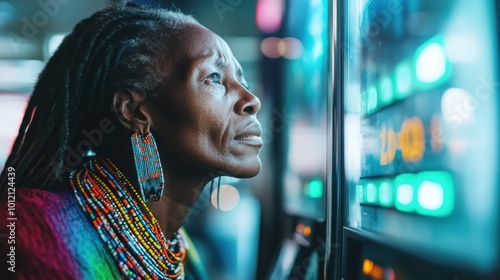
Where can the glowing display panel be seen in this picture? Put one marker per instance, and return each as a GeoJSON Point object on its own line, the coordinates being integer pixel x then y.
{"type": "Point", "coordinates": [305, 90]}
{"type": "Point", "coordinates": [421, 126]}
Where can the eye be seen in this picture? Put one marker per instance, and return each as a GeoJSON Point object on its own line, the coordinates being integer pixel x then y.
{"type": "Point", "coordinates": [215, 78]}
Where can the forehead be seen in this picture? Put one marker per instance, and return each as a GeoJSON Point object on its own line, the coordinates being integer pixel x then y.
{"type": "Point", "coordinates": [200, 44]}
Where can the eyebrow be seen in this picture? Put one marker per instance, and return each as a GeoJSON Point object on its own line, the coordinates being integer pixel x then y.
{"type": "Point", "coordinates": [221, 64]}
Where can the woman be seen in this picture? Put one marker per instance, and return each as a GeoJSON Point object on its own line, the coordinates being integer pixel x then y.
{"type": "Point", "coordinates": [132, 116]}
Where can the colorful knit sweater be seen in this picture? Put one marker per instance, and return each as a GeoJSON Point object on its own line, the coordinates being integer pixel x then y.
{"type": "Point", "coordinates": [46, 235]}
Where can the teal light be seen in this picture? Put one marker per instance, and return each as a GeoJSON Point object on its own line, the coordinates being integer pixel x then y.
{"type": "Point", "coordinates": [386, 94]}
{"type": "Point", "coordinates": [315, 188]}
{"type": "Point", "coordinates": [371, 193]}
{"type": "Point", "coordinates": [431, 65]}
{"type": "Point", "coordinates": [435, 194]}
{"type": "Point", "coordinates": [403, 80]}
{"type": "Point", "coordinates": [406, 185]}
{"type": "Point", "coordinates": [386, 193]}
{"type": "Point", "coordinates": [376, 192]}
{"type": "Point", "coordinates": [429, 193]}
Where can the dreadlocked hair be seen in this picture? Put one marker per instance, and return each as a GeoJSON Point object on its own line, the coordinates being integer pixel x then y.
{"type": "Point", "coordinates": [118, 47]}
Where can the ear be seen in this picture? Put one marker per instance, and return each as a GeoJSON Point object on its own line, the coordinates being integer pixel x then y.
{"type": "Point", "coordinates": [131, 111]}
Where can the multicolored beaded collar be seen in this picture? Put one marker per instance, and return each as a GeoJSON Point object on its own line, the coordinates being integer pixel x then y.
{"type": "Point", "coordinates": [134, 237]}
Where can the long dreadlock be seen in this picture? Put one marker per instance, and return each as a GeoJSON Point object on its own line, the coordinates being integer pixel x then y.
{"type": "Point", "coordinates": [118, 47]}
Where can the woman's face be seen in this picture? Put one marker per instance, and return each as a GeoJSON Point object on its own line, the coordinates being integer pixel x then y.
{"type": "Point", "coordinates": [206, 119]}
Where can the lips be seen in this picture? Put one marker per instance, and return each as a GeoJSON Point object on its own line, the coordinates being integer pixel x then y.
{"type": "Point", "coordinates": [247, 137]}
{"type": "Point", "coordinates": [250, 135]}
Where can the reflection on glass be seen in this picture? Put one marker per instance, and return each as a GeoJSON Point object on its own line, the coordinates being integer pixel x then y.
{"type": "Point", "coordinates": [419, 98]}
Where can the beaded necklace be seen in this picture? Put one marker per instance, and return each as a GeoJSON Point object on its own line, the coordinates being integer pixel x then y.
{"type": "Point", "coordinates": [136, 241]}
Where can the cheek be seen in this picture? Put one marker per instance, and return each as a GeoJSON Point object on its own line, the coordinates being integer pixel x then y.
{"type": "Point", "coordinates": [204, 135]}
{"type": "Point", "coordinates": [196, 130]}
{"type": "Point", "coordinates": [215, 124]}
{"type": "Point", "coordinates": [213, 145]}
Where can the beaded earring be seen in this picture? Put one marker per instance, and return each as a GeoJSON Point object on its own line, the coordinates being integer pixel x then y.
{"type": "Point", "coordinates": [148, 166]}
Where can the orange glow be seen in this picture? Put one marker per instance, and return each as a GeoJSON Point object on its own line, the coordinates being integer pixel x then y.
{"type": "Point", "coordinates": [377, 272]}
{"type": "Point", "coordinates": [374, 271]}
{"type": "Point", "coordinates": [412, 139]}
{"type": "Point", "coordinates": [367, 267]}
{"type": "Point", "coordinates": [307, 231]}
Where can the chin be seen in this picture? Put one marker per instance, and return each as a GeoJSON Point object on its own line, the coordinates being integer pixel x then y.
{"type": "Point", "coordinates": [247, 170]}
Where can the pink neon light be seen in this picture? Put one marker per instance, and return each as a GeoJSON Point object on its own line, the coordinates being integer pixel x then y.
{"type": "Point", "coordinates": [269, 15]}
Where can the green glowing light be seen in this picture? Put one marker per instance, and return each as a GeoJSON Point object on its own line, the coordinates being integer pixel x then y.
{"type": "Point", "coordinates": [386, 193]}
{"type": "Point", "coordinates": [429, 193]}
{"type": "Point", "coordinates": [315, 188]}
{"type": "Point", "coordinates": [386, 95]}
{"type": "Point", "coordinates": [371, 193]}
{"type": "Point", "coordinates": [435, 194]}
{"type": "Point", "coordinates": [431, 65]}
{"type": "Point", "coordinates": [403, 77]}
{"type": "Point", "coordinates": [406, 192]}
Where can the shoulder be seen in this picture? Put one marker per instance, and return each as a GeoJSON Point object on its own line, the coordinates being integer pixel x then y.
{"type": "Point", "coordinates": [21, 200]}
{"type": "Point", "coordinates": [47, 232]}
{"type": "Point", "coordinates": [45, 211]}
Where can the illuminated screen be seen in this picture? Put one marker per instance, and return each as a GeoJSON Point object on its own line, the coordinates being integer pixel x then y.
{"type": "Point", "coordinates": [421, 126]}
{"type": "Point", "coordinates": [304, 48]}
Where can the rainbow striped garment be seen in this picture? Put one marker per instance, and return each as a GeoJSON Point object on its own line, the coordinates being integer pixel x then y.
{"type": "Point", "coordinates": [55, 240]}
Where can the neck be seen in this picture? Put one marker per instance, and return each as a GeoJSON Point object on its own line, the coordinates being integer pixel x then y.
{"type": "Point", "coordinates": [180, 193]}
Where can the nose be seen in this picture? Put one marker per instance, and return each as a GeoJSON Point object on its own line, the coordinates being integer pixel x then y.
{"type": "Point", "coordinates": [248, 103]}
